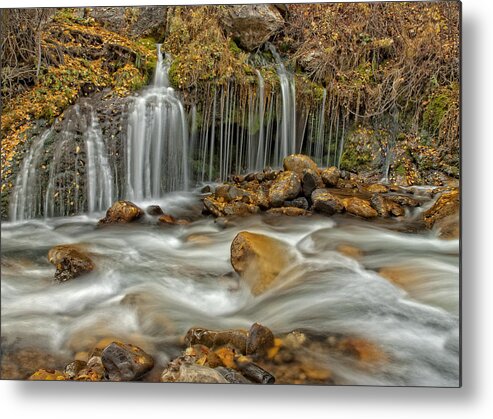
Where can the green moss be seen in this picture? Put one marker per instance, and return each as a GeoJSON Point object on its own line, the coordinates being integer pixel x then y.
{"type": "Point", "coordinates": [438, 105]}
{"type": "Point", "coordinates": [235, 49]}
{"type": "Point", "coordinates": [353, 159]}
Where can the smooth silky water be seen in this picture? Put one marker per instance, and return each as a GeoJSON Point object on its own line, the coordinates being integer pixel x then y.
{"type": "Point", "coordinates": [152, 283]}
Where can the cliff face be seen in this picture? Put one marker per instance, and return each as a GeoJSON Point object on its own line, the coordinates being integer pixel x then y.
{"type": "Point", "coordinates": [376, 86]}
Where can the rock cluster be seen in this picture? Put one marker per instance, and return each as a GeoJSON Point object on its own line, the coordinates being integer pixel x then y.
{"type": "Point", "coordinates": [302, 188]}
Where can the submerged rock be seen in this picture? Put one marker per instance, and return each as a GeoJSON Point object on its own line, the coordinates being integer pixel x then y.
{"type": "Point", "coordinates": [259, 259]}
{"type": "Point", "coordinates": [70, 262]}
{"type": "Point", "coordinates": [286, 186]}
{"type": "Point", "coordinates": [125, 362]}
{"type": "Point", "coordinates": [252, 25]}
{"type": "Point", "coordinates": [330, 176]}
{"type": "Point", "coordinates": [325, 202]}
{"type": "Point", "coordinates": [359, 207]}
{"type": "Point", "coordinates": [122, 212]}
{"type": "Point", "coordinates": [298, 163]}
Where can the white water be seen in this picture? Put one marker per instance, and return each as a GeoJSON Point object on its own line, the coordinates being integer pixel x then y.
{"type": "Point", "coordinates": [157, 140]}
{"type": "Point", "coordinates": [179, 277]}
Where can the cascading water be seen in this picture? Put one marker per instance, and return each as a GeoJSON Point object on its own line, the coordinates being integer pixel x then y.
{"type": "Point", "coordinates": [157, 140]}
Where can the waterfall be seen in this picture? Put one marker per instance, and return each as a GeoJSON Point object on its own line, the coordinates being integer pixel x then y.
{"type": "Point", "coordinates": [288, 119]}
{"type": "Point", "coordinates": [157, 140]}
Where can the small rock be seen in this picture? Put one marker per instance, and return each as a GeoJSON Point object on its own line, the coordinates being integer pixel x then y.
{"type": "Point", "coordinates": [359, 207]}
{"type": "Point", "coordinates": [240, 209]}
{"type": "Point", "coordinates": [331, 176]}
{"type": "Point", "coordinates": [286, 186]}
{"type": "Point", "coordinates": [255, 373]}
{"type": "Point", "coordinates": [47, 375]}
{"type": "Point", "coordinates": [122, 212]}
{"type": "Point", "coordinates": [94, 370]}
{"type": "Point", "coordinates": [213, 207]}
{"type": "Point", "coordinates": [260, 340]}
{"type": "Point", "coordinates": [154, 210]}
{"type": "Point", "coordinates": [215, 339]}
{"type": "Point", "coordinates": [376, 188]}
{"type": "Point", "coordinates": [385, 207]}
{"type": "Point", "coordinates": [404, 200]}
{"type": "Point", "coordinates": [297, 163]}
{"type": "Point", "coordinates": [70, 262]}
{"type": "Point", "coordinates": [311, 180]}
{"type": "Point", "coordinates": [259, 259]}
{"type": "Point", "coordinates": [447, 204]}
{"type": "Point", "coordinates": [192, 373]}
{"type": "Point", "coordinates": [232, 376]}
{"type": "Point", "coordinates": [206, 189]}
{"type": "Point", "coordinates": [125, 362]}
{"type": "Point", "coordinates": [300, 202]}
{"type": "Point", "coordinates": [289, 211]}
{"type": "Point", "coordinates": [325, 202]}
{"type": "Point", "coordinates": [74, 368]}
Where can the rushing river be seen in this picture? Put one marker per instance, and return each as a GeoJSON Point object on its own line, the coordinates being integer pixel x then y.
{"type": "Point", "coordinates": [152, 283]}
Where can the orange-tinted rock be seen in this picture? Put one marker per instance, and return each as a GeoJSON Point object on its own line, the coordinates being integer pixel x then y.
{"type": "Point", "coordinates": [330, 176]}
{"type": "Point", "coordinates": [125, 362]}
{"type": "Point", "coordinates": [286, 186]}
{"type": "Point", "coordinates": [376, 188]}
{"type": "Point", "coordinates": [260, 340]}
{"type": "Point", "coordinates": [448, 204]}
{"type": "Point", "coordinates": [259, 259]}
{"type": "Point", "coordinates": [350, 251]}
{"type": "Point", "coordinates": [326, 203]}
{"type": "Point", "coordinates": [47, 375]}
{"type": "Point", "coordinates": [122, 212]}
{"type": "Point", "coordinates": [289, 211]}
{"type": "Point", "coordinates": [70, 262]}
{"type": "Point", "coordinates": [364, 350]}
{"type": "Point", "coordinates": [359, 207]}
{"type": "Point", "coordinates": [297, 163]}
{"type": "Point", "coordinates": [215, 339]}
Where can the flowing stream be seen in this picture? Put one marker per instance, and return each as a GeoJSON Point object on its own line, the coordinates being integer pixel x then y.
{"type": "Point", "coordinates": [152, 283]}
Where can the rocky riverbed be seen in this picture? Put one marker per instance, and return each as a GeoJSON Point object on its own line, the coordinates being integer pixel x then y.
{"type": "Point", "coordinates": [304, 275]}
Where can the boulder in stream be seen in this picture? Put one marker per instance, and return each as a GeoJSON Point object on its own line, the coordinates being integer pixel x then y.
{"type": "Point", "coordinates": [125, 362]}
{"type": "Point", "coordinates": [359, 207]}
{"type": "Point", "coordinates": [122, 212]}
{"type": "Point", "coordinates": [325, 202]}
{"type": "Point", "coordinates": [297, 163]}
{"type": "Point", "coordinates": [287, 186]}
{"type": "Point", "coordinates": [330, 176]}
{"type": "Point", "coordinates": [70, 262]}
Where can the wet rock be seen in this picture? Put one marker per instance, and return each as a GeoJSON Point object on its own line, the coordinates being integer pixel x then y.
{"type": "Point", "coordinates": [232, 376]}
{"type": "Point", "coordinates": [74, 368]}
{"type": "Point", "coordinates": [300, 202]}
{"type": "Point", "coordinates": [125, 362]}
{"type": "Point", "coordinates": [215, 339]}
{"type": "Point", "coordinates": [259, 259]}
{"type": "Point", "coordinates": [206, 189]}
{"type": "Point", "coordinates": [289, 211]}
{"type": "Point", "coordinates": [222, 192]}
{"type": "Point", "coordinates": [70, 262]}
{"type": "Point", "coordinates": [260, 340]}
{"type": "Point", "coordinates": [325, 202]}
{"type": "Point", "coordinates": [154, 210]}
{"type": "Point", "coordinates": [255, 373]}
{"type": "Point", "coordinates": [298, 163]}
{"type": "Point", "coordinates": [213, 207]}
{"type": "Point", "coordinates": [345, 175]}
{"type": "Point", "coordinates": [386, 208]}
{"type": "Point", "coordinates": [286, 186]}
{"type": "Point", "coordinates": [350, 251]}
{"type": "Point", "coordinates": [169, 219]}
{"type": "Point", "coordinates": [192, 373]}
{"type": "Point", "coordinates": [252, 25]}
{"type": "Point", "coordinates": [94, 370]}
{"type": "Point", "coordinates": [376, 188]}
{"type": "Point", "coordinates": [240, 209]}
{"type": "Point", "coordinates": [362, 349]}
{"type": "Point", "coordinates": [346, 184]}
{"type": "Point", "coordinates": [404, 200]}
{"type": "Point", "coordinates": [448, 204]}
{"type": "Point", "coordinates": [330, 176]}
{"type": "Point", "coordinates": [310, 181]}
{"type": "Point", "coordinates": [226, 355]}
{"type": "Point", "coordinates": [359, 207]}
{"type": "Point", "coordinates": [47, 375]}
{"type": "Point", "coordinates": [262, 198]}
{"type": "Point", "coordinates": [122, 212]}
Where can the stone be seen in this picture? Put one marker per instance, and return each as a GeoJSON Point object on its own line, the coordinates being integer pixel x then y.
{"type": "Point", "coordinates": [154, 210]}
{"type": "Point", "coordinates": [215, 339]}
{"type": "Point", "coordinates": [122, 212]}
{"type": "Point", "coordinates": [310, 181]}
{"type": "Point", "coordinates": [286, 186]}
{"type": "Point", "coordinates": [125, 362]}
{"type": "Point", "coordinates": [232, 376]}
{"type": "Point", "coordinates": [297, 163]}
{"type": "Point", "coordinates": [330, 176]}
{"type": "Point", "coordinates": [47, 375]}
{"type": "Point", "coordinates": [259, 259]}
{"type": "Point", "coordinates": [192, 373]}
{"type": "Point", "coordinates": [289, 211]}
{"type": "Point", "coordinates": [251, 25]}
{"type": "Point", "coordinates": [404, 200]}
{"type": "Point", "coordinates": [255, 373]}
{"type": "Point", "coordinates": [385, 207]}
{"type": "Point", "coordinates": [240, 209]}
{"type": "Point", "coordinates": [94, 370]}
{"type": "Point", "coordinates": [260, 340]}
{"type": "Point", "coordinates": [447, 204]}
{"type": "Point", "coordinates": [74, 368]}
{"type": "Point", "coordinates": [359, 207]}
{"type": "Point", "coordinates": [325, 202]}
{"type": "Point", "coordinates": [213, 207]}
{"type": "Point", "coordinates": [376, 188]}
{"type": "Point", "coordinates": [350, 251]}
{"type": "Point", "coordinates": [300, 202]}
{"type": "Point", "coordinates": [70, 262]}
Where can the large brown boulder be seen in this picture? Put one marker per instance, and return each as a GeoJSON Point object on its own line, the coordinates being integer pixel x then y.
{"type": "Point", "coordinates": [252, 25]}
{"type": "Point", "coordinates": [311, 180]}
{"type": "Point", "coordinates": [259, 259]}
{"type": "Point", "coordinates": [325, 202]}
{"type": "Point", "coordinates": [70, 262]}
{"type": "Point", "coordinates": [287, 186]}
{"type": "Point", "coordinates": [359, 207]}
{"type": "Point", "coordinates": [125, 362]}
{"type": "Point", "coordinates": [444, 215]}
{"type": "Point", "coordinates": [298, 163]}
{"type": "Point", "coordinates": [122, 212]}
{"type": "Point", "coordinates": [331, 176]}
{"type": "Point", "coordinates": [385, 207]}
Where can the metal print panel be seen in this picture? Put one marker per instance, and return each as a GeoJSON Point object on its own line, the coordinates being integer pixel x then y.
{"type": "Point", "coordinates": [247, 194]}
